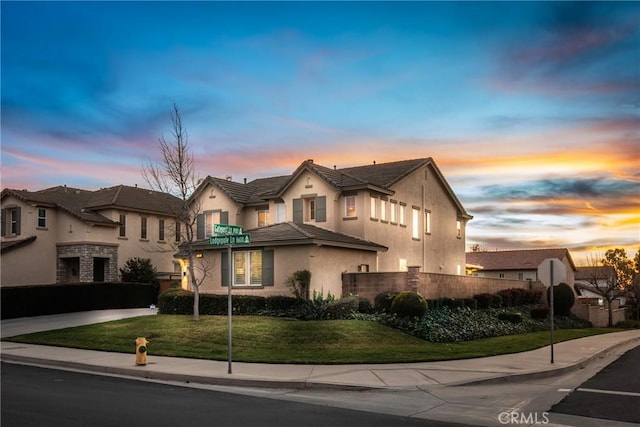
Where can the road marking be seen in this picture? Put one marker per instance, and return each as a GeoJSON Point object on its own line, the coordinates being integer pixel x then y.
{"type": "Point", "coordinates": [565, 390]}
{"type": "Point", "coordinates": [622, 393]}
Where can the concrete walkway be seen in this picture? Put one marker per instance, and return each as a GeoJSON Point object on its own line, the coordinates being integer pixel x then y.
{"type": "Point", "coordinates": [569, 355]}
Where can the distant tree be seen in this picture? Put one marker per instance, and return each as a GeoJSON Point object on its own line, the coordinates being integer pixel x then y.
{"type": "Point", "coordinates": [139, 270]}
{"type": "Point", "coordinates": [611, 277]}
{"type": "Point", "coordinates": [477, 247]}
{"type": "Point", "coordinates": [175, 174]}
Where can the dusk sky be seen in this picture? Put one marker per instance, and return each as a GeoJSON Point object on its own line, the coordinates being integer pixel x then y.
{"type": "Point", "coordinates": [531, 110]}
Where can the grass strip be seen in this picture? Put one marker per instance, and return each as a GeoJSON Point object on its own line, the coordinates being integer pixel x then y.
{"type": "Point", "coordinates": [278, 340]}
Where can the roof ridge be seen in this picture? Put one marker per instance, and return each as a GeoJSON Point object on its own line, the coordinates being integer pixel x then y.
{"type": "Point", "coordinates": [115, 197]}
{"type": "Point", "coordinates": [298, 228]}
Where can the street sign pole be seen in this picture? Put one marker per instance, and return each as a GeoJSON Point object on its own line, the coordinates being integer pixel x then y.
{"type": "Point", "coordinates": [229, 305]}
{"type": "Point", "coordinates": [551, 304]}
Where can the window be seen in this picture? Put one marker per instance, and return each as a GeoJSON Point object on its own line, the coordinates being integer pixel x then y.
{"type": "Point", "coordinates": [311, 209]}
{"type": "Point", "coordinates": [392, 212]}
{"type": "Point", "coordinates": [520, 275]}
{"type": "Point", "coordinates": [280, 213]}
{"type": "Point", "coordinates": [383, 210]}
{"type": "Point", "coordinates": [123, 225]}
{"type": "Point", "coordinates": [11, 221]}
{"type": "Point", "coordinates": [143, 227]}
{"type": "Point", "coordinates": [458, 229]}
{"type": "Point", "coordinates": [42, 218]}
{"type": "Point", "coordinates": [374, 214]}
{"type": "Point", "coordinates": [263, 218]}
{"type": "Point", "coordinates": [350, 207]}
{"type": "Point", "coordinates": [501, 275]}
{"type": "Point", "coordinates": [427, 222]}
{"type": "Point", "coordinates": [210, 219]}
{"type": "Point", "coordinates": [178, 231]}
{"type": "Point", "coordinates": [416, 223]}
{"type": "Point", "coordinates": [247, 268]}
{"type": "Point", "coordinates": [161, 229]}
{"type": "Point", "coordinates": [401, 215]}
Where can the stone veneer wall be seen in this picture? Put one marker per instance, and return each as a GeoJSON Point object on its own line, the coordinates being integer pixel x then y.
{"type": "Point", "coordinates": [429, 285]}
{"type": "Point", "coordinates": [86, 252]}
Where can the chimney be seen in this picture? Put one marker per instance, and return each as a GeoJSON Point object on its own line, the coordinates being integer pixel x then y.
{"type": "Point", "coordinates": [310, 160]}
{"type": "Point", "coordinates": [228, 177]}
{"type": "Point", "coordinates": [245, 180]}
{"type": "Point", "coordinates": [374, 163]}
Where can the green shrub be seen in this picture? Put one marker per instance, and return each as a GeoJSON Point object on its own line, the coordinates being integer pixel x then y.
{"type": "Point", "coordinates": [299, 282]}
{"type": "Point", "coordinates": [563, 299]}
{"type": "Point", "coordinates": [139, 270]}
{"type": "Point", "coordinates": [382, 302]}
{"type": "Point", "coordinates": [539, 312]}
{"type": "Point", "coordinates": [340, 309]}
{"type": "Point", "coordinates": [472, 303]}
{"type": "Point", "coordinates": [510, 316]}
{"type": "Point", "coordinates": [628, 324]}
{"type": "Point", "coordinates": [409, 304]}
{"type": "Point", "coordinates": [484, 300]}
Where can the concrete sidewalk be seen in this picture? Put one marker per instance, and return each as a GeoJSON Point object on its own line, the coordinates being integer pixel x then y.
{"type": "Point", "coordinates": [569, 355]}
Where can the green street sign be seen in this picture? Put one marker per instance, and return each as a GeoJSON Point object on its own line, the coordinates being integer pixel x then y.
{"type": "Point", "coordinates": [227, 229]}
{"type": "Point", "coordinates": [238, 239]}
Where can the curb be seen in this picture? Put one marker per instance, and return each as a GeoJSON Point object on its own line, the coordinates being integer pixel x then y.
{"type": "Point", "coordinates": [581, 364]}
{"type": "Point", "coordinates": [183, 378]}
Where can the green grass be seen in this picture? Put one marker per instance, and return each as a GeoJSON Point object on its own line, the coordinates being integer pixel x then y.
{"type": "Point", "coordinates": [277, 340]}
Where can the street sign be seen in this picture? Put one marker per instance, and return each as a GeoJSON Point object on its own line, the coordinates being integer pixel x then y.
{"type": "Point", "coordinates": [238, 239]}
{"type": "Point", "coordinates": [227, 229]}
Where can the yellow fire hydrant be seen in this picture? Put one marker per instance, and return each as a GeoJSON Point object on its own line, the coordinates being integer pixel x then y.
{"type": "Point", "coordinates": [141, 351]}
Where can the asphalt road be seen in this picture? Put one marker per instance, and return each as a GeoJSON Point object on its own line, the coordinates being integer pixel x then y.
{"type": "Point", "coordinates": [612, 394]}
{"type": "Point", "coordinates": [34, 396]}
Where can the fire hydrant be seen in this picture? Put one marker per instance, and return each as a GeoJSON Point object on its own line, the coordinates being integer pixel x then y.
{"type": "Point", "coordinates": [141, 351]}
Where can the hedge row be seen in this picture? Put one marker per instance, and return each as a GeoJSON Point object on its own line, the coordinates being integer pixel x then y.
{"type": "Point", "coordinates": [40, 300]}
{"type": "Point", "coordinates": [178, 301]}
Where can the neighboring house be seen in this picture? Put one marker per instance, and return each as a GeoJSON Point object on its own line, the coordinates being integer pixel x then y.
{"type": "Point", "coordinates": [63, 234]}
{"type": "Point", "coordinates": [518, 264]}
{"type": "Point", "coordinates": [588, 278]}
{"type": "Point", "coordinates": [379, 217]}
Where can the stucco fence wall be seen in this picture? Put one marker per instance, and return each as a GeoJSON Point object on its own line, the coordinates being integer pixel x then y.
{"type": "Point", "coordinates": [429, 285]}
{"type": "Point", "coordinates": [599, 315]}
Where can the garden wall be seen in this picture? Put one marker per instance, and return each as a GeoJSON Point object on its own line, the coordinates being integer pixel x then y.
{"type": "Point", "coordinates": [599, 315]}
{"type": "Point", "coordinates": [429, 285]}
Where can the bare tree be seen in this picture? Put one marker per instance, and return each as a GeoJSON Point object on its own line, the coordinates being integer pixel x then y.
{"type": "Point", "coordinates": [175, 174]}
{"type": "Point", "coordinates": [610, 277]}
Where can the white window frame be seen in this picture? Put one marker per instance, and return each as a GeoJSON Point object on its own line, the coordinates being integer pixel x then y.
{"type": "Point", "coordinates": [374, 211]}
{"type": "Point", "coordinates": [311, 209]}
{"type": "Point", "coordinates": [264, 221]}
{"type": "Point", "coordinates": [42, 216]}
{"type": "Point", "coordinates": [350, 207]}
{"type": "Point", "coordinates": [415, 221]}
{"type": "Point", "coordinates": [144, 228]}
{"type": "Point", "coordinates": [281, 213]}
{"type": "Point", "coordinates": [383, 210]}
{"type": "Point", "coordinates": [123, 226]}
{"type": "Point", "coordinates": [392, 212]}
{"type": "Point", "coordinates": [242, 267]}
{"type": "Point", "coordinates": [459, 229]}
{"type": "Point", "coordinates": [210, 218]}
{"type": "Point", "coordinates": [161, 230]}
{"type": "Point", "coordinates": [402, 215]}
{"type": "Point", "coordinates": [427, 222]}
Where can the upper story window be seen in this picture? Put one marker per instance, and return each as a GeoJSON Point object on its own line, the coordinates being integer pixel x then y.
{"type": "Point", "coordinates": [42, 218]}
{"type": "Point", "coordinates": [415, 222]}
{"type": "Point", "coordinates": [427, 222]}
{"type": "Point", "coordinates": [402, 214]}
{"type": "Point", "coordinates": [459, 229]}
{"type": "Point", "coordinates": [281, 215]}
{"type": "Point", "coordinates": [263, 217]}
{"type": "Point", "coordinates": [374, 208]}
{"type": "Point", "coordinates": [350, 207]}
{"type": "Point", "coordinates": [393, 206]}
{"type": "Point", "coordinates": [11, 221]}
{"type": "Point", "coordinates": [123, 225]}
{"type": "Point", "coordinates": [211, 218]}
{"type": "Point", "coordinates": [383, 210]}
{"type": "Point", "coordinates": [161, 229]}
{"type": "Point", "coordinates": [143, 227]}
{"type": "Point", "coordinates": [310, 208]}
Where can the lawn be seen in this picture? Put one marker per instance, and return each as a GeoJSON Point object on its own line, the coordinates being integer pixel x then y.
{"type": "Point", "coordinates": [278, 340]}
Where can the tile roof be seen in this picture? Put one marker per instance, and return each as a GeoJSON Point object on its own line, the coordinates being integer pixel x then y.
{"type": "Point", "coordinates": [378, 177]}
{"type": "Point", "coordinates": [85, 204]}
{"type": "Point", "coordinates": [289, 233]}
{"type": "Point", "coordinates": [525, 259]}
{"type": "Point", "coordinates": [14, 244]}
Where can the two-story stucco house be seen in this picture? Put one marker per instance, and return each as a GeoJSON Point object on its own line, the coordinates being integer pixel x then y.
{"type": "Point", "coordinates": [375, 218]}
{"type": "Point", "coordinates": [63, 234]}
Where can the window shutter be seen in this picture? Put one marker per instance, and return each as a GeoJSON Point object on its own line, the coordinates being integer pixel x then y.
{"type": "Point", "coordinates": [267, 268]}
{"type": "Point", "coordinates": [200, 226]}
{"type": "Point", "coordinates": [4, 222]}
{"type": "Point", "coordinates": [297, 211]}
{"type": "Point", "coordinates": [321, 209]}
{"type": "Point", "coordinates": [224, 268]}
{"type": "Point", "coordinates": [224, 217]}
{"type": "Point", "coordinates": [18, 218]}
